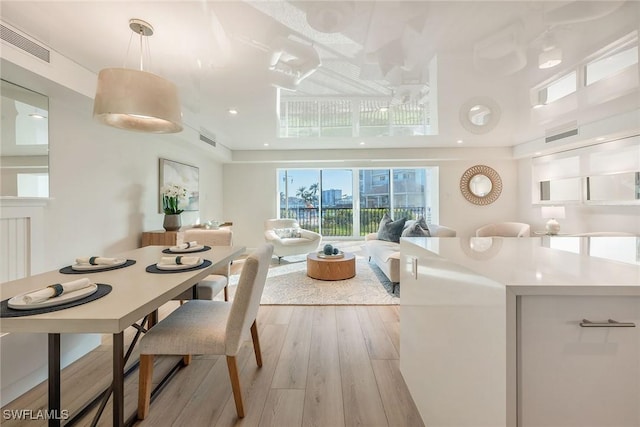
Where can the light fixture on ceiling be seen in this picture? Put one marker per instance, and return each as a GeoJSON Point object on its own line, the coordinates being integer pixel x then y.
{"type": "Point", "coordinates": [232, 111]}
{"type": "Point", "coordinates": [136, 99]}
{"type": "Point", "coordinates": [551, 54]}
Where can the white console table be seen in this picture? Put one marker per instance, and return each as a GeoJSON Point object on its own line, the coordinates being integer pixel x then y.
{"type": "Point", "coordinates": [493, 332]}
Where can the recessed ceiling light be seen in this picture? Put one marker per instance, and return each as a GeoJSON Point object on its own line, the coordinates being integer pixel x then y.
{"type": "Point", "coordinates": [361, 142]}
{"type": "Point", "coordinates": [459, 141]}
{"type": "Point", "coordinates": [233, 111]}
{"type": "Point", "coordinates": [265, 144]}
{"type": "Point", "coordinates": [600, 138]}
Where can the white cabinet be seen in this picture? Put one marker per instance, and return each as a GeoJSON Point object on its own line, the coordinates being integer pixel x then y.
{"type": "Point", "coordinates": [569, 375]}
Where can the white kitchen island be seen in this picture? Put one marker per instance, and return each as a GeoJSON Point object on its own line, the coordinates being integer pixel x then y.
{"type": "Point", "coordinates": [496, 331]}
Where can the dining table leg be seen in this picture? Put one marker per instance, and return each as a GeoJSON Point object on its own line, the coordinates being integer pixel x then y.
{"type": "Point", "coordinates": [54, 380]}
{"type": "Point", "coordinates": [118, 379]}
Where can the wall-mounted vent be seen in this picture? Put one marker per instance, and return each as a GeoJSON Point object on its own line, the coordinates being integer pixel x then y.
{"type": "Point", "coordinates": [208, 140]}
{"type": "Point", "coordinates": [21, 42]}
{"type": "Point", "coordinates": [560, 132]}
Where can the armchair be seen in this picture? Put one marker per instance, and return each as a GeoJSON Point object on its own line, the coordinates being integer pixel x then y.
{"type": "Point", "coordinates": [504, 229]}
{"type": "Point", "coordinates": [288, 238]}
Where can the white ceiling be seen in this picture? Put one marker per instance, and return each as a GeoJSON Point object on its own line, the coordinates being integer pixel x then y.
{"type": "Point", "coordinates": [217, 53]}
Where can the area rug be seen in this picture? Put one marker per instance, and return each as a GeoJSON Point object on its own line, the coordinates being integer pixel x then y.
{"type": "Point", "coordinates": [288, 284]}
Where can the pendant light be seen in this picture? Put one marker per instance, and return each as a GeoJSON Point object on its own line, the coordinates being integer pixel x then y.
{"type": "Point", "coordinates": [136, 99]}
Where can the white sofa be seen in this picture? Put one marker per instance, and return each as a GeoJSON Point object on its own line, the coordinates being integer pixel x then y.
{"type": "Point", "coordinates": [386, 255]}
{"type": "Point", "coordinates": [308, 241]}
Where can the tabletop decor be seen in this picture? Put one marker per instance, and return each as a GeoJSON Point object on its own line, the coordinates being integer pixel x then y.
{"type": "Point", "coordinates": [171, 196]}
{"type": "Point", "coordinates": [6, 311]}
{"type": "Point", "coordinates": [153, 268]}
{"type": "Point", "coordinates": [172, 250]}
{"type": "Point", "coordinates": [98, 268]}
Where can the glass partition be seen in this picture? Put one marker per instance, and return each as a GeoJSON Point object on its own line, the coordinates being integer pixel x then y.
{"type": "Point", "coordinates": [617, 187]}
{"type": "Point", "coordinates": [560, 190]}
{"type": "Point", "coordinates": [24, 143]}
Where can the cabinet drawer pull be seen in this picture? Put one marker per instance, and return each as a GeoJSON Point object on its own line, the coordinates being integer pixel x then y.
{"type": "Point", "coordinates": [608, 324]}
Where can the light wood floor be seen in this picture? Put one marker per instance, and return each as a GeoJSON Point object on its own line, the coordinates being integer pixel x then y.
{"type": "Point", "coordinates": [325, 366]}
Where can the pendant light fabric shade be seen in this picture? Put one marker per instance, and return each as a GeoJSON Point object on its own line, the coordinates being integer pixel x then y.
{"type": "Point", "coordinates": [137, 100]}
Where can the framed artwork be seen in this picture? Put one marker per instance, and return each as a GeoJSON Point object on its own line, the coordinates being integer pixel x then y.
{"type": "Point", "coordinates": [187, 176]}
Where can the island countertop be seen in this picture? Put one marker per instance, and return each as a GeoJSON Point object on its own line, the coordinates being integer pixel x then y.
{"type": "Point", "coordinates": [547, 265]}
{"type": "Point", "coordinates": [512, 332]}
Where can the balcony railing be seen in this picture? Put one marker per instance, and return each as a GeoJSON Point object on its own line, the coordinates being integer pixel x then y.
{"type": "Point", "coordinates": [338, 222]}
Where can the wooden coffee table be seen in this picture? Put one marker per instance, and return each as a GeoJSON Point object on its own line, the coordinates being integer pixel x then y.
{"type": "Point", "coordinates": [331, 268]}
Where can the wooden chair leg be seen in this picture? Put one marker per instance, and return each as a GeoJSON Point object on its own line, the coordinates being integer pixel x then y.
{"type": "Point", "coordinates": [226, 293]}
{"type": "Point", "coordinates": [235, 385]}
{"type": "Point", "coordinates": [144, 386]}
{"type": "Point", "coordinates": [256, 343]}
{"type": "Point", "coordinates": [186, 359]}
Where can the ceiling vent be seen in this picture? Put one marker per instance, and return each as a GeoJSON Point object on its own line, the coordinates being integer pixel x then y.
{"type": "Point", "coordinates": [561, 132]}
{"type": "Point", "coordinates": [208, 140]}
{"type": "Point", "coordinates": [21, 42]}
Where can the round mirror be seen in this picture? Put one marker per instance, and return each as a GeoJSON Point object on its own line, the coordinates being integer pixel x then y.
{"type": "Point", "coordinates": [479, 115]}
{"type": "Point", "coordinates": [481, 185]}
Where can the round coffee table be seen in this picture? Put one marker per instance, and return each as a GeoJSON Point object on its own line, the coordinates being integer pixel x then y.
{"type": "Point", "coordinates": [331, 268]}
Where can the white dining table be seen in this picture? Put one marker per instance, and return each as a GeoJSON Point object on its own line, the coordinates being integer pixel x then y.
{"type": "Point", "coordinates": [135, 294]}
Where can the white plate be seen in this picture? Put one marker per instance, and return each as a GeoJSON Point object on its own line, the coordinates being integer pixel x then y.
{"type": "Point", "coordinates": [18, 304]}
{"type": "Point", "coordinates": [177, 266]}
{"type": "Point", "coordinates": [174, 250]}
{"type": "Point", "coordinates": [89, 267]}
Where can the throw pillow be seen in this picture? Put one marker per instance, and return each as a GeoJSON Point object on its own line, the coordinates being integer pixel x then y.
{"type": "Point", "coordinates": [415, 231]}
{"type": "Point", "coordinates": [423, 224]}
{"type": "Point", "coordinates": [384, 221]}
{"type": "Point", "coordinates": [287, 233]}
{"type": "Point", "coordinates": [391, 231]}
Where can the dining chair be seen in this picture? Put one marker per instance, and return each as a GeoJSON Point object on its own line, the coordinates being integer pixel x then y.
{"type": "Point", "coordinates": [209, 327]}
{"type": "Point", "coordinates": [219, 279]}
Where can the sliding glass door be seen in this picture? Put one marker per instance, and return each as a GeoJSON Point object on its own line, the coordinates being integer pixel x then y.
{"type": "Point", "coordinates": [323, 200]}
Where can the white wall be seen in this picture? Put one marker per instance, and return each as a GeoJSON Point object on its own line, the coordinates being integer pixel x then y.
{"type": "Point", "coordinates": [252, 196]}
{"type": "Point", "coordinates": [104, 194]}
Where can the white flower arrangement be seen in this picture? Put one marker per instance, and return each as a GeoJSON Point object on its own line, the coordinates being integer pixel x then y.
{"type": "Point", "coordinates": [171, 196]}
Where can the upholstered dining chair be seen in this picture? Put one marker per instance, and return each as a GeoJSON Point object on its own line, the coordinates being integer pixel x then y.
{"type": "Point", "coordinates": [219, 280]}
{"type": "Point", "coordinates": [209, 327]}
{"type": "Point", "coordinates": [504, 229]}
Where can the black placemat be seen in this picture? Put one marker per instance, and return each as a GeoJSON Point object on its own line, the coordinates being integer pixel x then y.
{"type": "Point", "coordinates": [69, 270]}
{"type": "Point", "coordinates": [168, 251]}
{"type": "Point", "coordinates": [153, 269]}
{"type": "Point", "coordinates": [6, 311]}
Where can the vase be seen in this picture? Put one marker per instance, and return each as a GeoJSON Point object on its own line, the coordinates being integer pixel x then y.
{"type": "Point", "coordinates": [172, 222]}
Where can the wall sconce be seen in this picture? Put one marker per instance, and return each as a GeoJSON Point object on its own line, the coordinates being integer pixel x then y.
{"type": "Point", "coordinates": [136, 99]}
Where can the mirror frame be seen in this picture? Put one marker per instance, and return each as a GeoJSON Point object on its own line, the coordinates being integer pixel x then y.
{"type": "Point", "coordinates": [492, 105]}
{"type": "Point", "coordinates": [494, 177]}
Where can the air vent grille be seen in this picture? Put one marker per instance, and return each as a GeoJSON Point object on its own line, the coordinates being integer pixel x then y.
{"type": "Point", "coordinates": [24, 43]}
{"type": "Point", "coordinates": [561, 132]}
{"type": "Point", "coordinates": [208, 140]}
